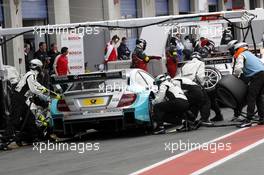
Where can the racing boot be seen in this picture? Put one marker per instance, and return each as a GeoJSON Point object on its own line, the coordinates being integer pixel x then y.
{"type": "Point", "coordinates": [159, 130]}
{"type": "Point", "coordinates": [236, 118]}
{"type": "Point", "coordinates": [217, 118]}
{"type": "Point", "coordinates": [196, 124]}
{"type": "Point", "coordinates": [261, 121]}
{"type": "Point", "coordinates": [184, 127]}
{"type": "Point", "coordinates": [206, 123]}
{"type": "Point", "coordinates": [246, 123]}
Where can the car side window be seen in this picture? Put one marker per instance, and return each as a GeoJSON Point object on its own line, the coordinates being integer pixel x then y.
{"type": "Point", "coordinates": [140, 81]}
{"type": "Point", "coordinates": [148, 78]}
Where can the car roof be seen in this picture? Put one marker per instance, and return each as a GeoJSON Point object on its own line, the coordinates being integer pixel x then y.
{"type": "Point", "coordinates": [113, 70]}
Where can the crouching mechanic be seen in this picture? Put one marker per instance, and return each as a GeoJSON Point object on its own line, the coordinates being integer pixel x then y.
{"type": "Point", "coordinates": [21, 114]}
{"type": "Point", "coordinates": [250, 68]}
{"type": "Point", "coordinates": [169, 100]}
{"type": "Point", "coordinates": [194, 94]}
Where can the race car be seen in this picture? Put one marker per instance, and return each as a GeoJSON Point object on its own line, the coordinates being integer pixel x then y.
{"type": "Point", "coordinates": [116, 99]}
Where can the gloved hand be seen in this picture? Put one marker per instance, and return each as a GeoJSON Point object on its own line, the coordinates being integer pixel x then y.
{"type": "Point", "coordinates": [55, 95]}
{"type": "Point", "coordinates": [44, 90]}
{"type": "Point", "coordinates": [58, 97]}
{"type": "Point", "coordinates": [146, 59]}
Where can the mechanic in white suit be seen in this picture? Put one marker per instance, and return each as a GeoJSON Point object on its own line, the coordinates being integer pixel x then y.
{"type": "Point", "coordinates": [27, 87]}
{"type": "Point", "coordinates": [169, 99]}
{"type": "Point", "coordinates": [194, 69]}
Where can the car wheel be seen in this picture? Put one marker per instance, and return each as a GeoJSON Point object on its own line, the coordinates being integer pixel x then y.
{"type": "Point", "coordinates": [212, 76]}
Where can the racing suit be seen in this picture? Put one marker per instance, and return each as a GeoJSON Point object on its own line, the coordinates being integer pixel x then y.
{"type": "Point", "coordinates": [172, 64]}
{"type": "Point", "coordinates": [140, 59]}
{"type": "Point", "coordinates": [169, 100]}
{"type": "Point", "coordinates": [194, 70]}
{"type": "Point", "coordinates": [253, 70]}
{"type": "Point", "coordinates": [193, 92]}
{"type": "Point", "coordinates": [26, 87]}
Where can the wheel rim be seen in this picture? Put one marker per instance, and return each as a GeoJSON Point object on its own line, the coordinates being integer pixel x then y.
{"type": "Point", "coordinates": [211, 78]}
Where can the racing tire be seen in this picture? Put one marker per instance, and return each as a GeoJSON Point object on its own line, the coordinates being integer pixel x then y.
{"type": "Point", "coordinates": [231, 92]}
{"type": "Point", "coordinates": [212, 77]}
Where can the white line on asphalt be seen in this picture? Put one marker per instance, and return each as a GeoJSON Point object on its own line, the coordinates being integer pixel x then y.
{"type": "Point", "coordinates": [184, 153]}
{"type": "Point", "coordinates": [221, 161]}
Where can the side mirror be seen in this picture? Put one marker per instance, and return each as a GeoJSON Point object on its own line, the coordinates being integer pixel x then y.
{"type": "Point", "coordinates": [154, 83]}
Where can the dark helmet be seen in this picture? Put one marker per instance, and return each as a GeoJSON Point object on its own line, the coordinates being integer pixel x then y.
{"type": "Point", "coordinates": [142, 43]}
{"type": "Point", "coordinates": [160, 78]}
{"type": "Point", "coordinates": [173, 41]}
{"type": "Point", "coordinates": [173, 50]}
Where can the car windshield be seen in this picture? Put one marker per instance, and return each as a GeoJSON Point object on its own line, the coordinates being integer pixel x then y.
{"type": "Point", "coordinates": [101, 85]}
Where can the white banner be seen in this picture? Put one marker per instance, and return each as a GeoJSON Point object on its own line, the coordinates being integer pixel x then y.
{"type": "Point", "coordinates": [76, 52]}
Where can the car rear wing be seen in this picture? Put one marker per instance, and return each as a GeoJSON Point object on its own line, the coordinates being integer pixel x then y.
{"type": "Point", "coordinates": [87, 77]}
{"type": "Point", "coordinates": [212, 61]}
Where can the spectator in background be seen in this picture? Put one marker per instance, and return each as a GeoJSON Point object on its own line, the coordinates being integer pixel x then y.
{"type": "Point", "coordinates": [123, 51]}
{"type": "Point", "coordinates": [28, 55]}
{"type": "Point", "coordinates": [110, 50]}
{"type": "Point", "coordinates": [188, 47]}
{"type": "Point", "coordinates": [179, 46]}
{"type": "Point", "coordinates": [53, 53]}
{"type": "Point", "coordinates": [226, 37]}
{"type": "Point", "coordinates": [42, 55]}
{"type": "Point", "coordinates": [61, 66]}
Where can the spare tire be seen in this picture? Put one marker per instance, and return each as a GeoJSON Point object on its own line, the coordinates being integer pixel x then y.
{"type": "Point", "coordinates": [231, 92]}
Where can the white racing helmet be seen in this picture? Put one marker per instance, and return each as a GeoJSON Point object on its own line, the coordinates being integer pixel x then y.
{"type": "Point", "coordinates": [241, 45]}
{"type": "Point", "coordinates": [36, 64]}
{"type": "Point", "coordinates": [231, 44]}
{"type": "Point", "coordinates": [168, 77]}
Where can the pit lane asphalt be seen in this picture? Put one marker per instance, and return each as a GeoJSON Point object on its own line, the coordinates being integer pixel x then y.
{"type": "Point", "coordinates": [123, 154]}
